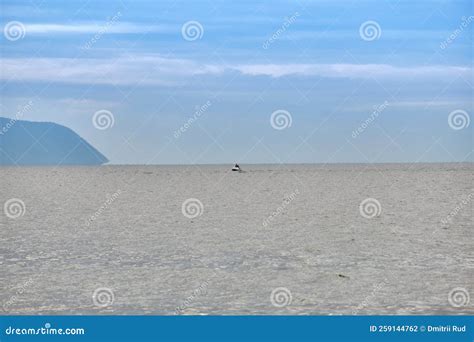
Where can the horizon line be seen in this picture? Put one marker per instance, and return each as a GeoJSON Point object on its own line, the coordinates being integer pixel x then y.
{"type": "Point", "coordinates": [255, 164]}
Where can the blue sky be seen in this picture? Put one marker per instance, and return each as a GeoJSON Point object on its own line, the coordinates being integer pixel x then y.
{"type": "Point", "coordinates": [384, 94]}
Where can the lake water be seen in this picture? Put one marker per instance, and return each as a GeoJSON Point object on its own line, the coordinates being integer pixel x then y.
{"type": "Point", "coordinates": [276, 239]}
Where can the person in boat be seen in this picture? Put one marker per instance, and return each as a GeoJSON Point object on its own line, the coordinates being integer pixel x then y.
{"type": "Point", "coordinates": [236, 168]}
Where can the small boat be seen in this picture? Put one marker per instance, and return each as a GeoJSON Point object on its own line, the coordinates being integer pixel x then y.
{"type": "Point", "coordinates": [237, 168]}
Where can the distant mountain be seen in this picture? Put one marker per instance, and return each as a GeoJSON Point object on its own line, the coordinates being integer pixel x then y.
{"type": "Point", "coordinates": [44, 143]}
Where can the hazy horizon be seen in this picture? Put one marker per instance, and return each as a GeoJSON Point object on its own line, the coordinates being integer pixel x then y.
{"type": "Point", "coordinates": [308, 163]}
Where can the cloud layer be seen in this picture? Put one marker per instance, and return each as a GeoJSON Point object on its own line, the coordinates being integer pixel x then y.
{"type": "Point", "coordinates": [110, 26]}
{"type": "Point", "coordinates": [158, 70]}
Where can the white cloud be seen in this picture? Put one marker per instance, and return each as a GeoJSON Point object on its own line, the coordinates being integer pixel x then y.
{"type": "Point", "coordinates": [157, 70]}
{"type": "Point", "coordinates": [428, 103]}
{"type": "Point", "coordinates": [111, 26]}
{"type": "Point", "coordinates": [350, 70]}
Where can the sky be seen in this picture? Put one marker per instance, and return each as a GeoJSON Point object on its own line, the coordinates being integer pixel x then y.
{"type": "Point", "coordinates": [211, 82]}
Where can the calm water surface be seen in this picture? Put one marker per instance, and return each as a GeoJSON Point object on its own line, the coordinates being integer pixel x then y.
{"type": "Point", "coordinates": [296, 230]}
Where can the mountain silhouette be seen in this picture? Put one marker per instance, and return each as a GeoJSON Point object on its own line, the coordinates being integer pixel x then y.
{"type": "Point", "coordinates": [44, 143]}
